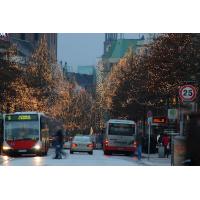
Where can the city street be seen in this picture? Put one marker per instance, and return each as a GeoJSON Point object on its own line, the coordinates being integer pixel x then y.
{"type": "Point", "coordinates": [83, 159]}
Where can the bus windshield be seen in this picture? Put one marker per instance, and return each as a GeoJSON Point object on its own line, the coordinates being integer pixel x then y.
{"type": "Point", "coordinates": [121, 129]}
{"type": "Point", "coordinates": [22, 130]}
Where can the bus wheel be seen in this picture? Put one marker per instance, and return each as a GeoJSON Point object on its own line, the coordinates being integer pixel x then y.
{"type": "Point", "coordinates": [40, 154]}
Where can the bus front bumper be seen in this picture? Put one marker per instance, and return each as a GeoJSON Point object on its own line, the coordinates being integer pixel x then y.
{"type": "Point", "coordinates": [13, 152]}
{"type": "Point", "coordinates": [121, 149]}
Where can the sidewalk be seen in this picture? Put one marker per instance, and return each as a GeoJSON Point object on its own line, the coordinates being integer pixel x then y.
{"type": "Point", "coordinates": [154, 160]}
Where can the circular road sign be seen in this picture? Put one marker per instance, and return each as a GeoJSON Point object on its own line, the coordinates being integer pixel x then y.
{"type": "Point", "coordinates": [149, 114]}
{"type": "Point", "coordinates": [188, 93]}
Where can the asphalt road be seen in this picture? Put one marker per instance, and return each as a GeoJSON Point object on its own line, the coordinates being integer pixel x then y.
{"type": "Point", "coordinates": [76, 159]}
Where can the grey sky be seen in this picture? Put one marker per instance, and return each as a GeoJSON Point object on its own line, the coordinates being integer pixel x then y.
{"type": "Point", "coordinates": [82, 48]}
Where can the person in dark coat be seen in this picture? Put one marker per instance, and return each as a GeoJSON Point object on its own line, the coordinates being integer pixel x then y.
{"type": "Point", "coordinates": [59, 141]}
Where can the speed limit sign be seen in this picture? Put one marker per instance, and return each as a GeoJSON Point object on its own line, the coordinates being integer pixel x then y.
{"type": "Point", "coordinates": [188, 93]}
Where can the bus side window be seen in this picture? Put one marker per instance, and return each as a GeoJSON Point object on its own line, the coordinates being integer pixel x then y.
{"type": "Point", "coordinates": [42, 123]}
{"type": "Point", "coordinates": [44, 126]}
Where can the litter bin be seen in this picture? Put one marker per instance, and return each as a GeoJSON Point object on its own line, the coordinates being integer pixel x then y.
{"type": "Point", "coordinates": [161, 151]}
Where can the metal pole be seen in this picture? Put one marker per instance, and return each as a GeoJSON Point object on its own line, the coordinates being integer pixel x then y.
{"type": "Point", "coordinates": [149, 143]}
{"type": "Point", "coordinates": [172, 150]}
{"type": "Point", "coordinates": [180, 119]}
{"type": "Point", "coordinates": [196, 107]}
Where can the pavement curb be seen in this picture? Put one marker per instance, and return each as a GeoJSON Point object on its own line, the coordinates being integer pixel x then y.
{"type": "Point", "coordinates": [154, 160]}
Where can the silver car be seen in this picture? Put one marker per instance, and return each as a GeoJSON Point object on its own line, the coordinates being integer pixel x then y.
{"type": "Point", "coordinates": [67, 145]}
{"type": "Point", "coordinates": [81, 144]}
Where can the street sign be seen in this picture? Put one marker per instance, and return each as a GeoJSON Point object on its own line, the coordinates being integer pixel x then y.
{"type": "Point", "coordinates": [149, 120]}
{"type": "Point", "coordinates": [149, 114]}
{"type": "Point", "coordinates": [159, 120]}
{"type": "Point", "coordinates": [188, 93]}
{"type": "Point", "coordinates": [172, 114]}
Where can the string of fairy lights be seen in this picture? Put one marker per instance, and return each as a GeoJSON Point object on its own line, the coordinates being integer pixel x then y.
{"type": "Point", "coordinates": [40, 86]}
{"type": "Point", "coordinates": [152, 79]}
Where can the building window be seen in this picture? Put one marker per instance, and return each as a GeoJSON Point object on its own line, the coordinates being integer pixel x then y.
{"type": "Point", "coordinates": [36, 36]}
{"type": "Point", "coordinates": [23, 36]}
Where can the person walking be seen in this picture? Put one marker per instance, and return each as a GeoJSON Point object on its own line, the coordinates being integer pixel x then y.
{"type": "Point", "coordinates": [59, 141]}
{"type": "Point", "coordinates": [139, 145]}
{"type": "Point", "coordinates": [165, 142]}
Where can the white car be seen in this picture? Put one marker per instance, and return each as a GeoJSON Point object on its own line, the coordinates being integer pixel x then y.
{"type": "Point", "coordinates": [81, 144]}
{"type": "Point", "coordinates": [67, 145]}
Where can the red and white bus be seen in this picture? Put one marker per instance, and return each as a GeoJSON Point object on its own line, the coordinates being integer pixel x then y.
{"type": "Point", "coordinates": [119, 137]}
{"type": "Point", "coordinates": [26, 133]}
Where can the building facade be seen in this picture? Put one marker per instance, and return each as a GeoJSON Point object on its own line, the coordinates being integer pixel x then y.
{"type": "Point", "coordinates": [89, 69]}
{"type": "Point", "coordinates": [26, 43]}
{"type": "Point", "coordinates": [114, 49]}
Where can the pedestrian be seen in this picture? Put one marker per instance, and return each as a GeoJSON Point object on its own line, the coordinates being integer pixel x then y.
{"type": "Point", "coordinates": [139, 145]}
{"type": "Point", "coordinates": [59, 141]}
{"type": "Point", "coordinates": [159, 140]}
{"type": "Point", "coordinates": [166, 144]}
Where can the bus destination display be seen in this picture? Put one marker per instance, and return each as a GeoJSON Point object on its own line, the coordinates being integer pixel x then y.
{"type": "Point", "coordinates": [21, 117]}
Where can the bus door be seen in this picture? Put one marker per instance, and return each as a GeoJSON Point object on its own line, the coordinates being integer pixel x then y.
{"type": "Point", "coordinates": [44, 133]}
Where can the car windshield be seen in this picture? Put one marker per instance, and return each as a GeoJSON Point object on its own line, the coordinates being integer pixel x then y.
{"type": "Point", "coordinates": [82, 139]}
{"type": "Point", "coordinates": [22, 130]}
{"type": "Point", "coordinates": [121, 129]}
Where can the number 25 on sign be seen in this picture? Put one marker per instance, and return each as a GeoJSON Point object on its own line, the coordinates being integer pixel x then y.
{"type": "Point", "coordinates": [187, 93]}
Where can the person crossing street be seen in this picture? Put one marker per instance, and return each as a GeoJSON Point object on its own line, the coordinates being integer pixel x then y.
{"type": "Point", "coordinates": [59, 141]}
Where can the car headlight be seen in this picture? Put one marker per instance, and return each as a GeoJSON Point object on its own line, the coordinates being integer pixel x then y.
{"type": "Point", "coordinates": [6, 146]}
{"type": "Point", "coordinates": [37, 146]}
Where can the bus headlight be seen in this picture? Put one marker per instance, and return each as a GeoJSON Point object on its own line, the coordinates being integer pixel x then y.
{"type": "Point", "coordinates": [37, 146]}
{"type": "Point", "coordinates": [6, 146]}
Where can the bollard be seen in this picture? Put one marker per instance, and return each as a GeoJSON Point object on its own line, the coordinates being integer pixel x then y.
{"type": "Point", "coordinates": [179, 152]}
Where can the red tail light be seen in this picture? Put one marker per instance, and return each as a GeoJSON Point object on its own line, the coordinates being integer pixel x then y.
{"type": "Point", "coordinates": [106, 142]}
{"type": "Point", "coordinates": [90, 145]}
{"type": "Point", "coordinates": [74, 145]}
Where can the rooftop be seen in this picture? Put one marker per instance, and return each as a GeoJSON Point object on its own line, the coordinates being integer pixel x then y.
{"type": "Point", "coordinates": [119, 47]}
